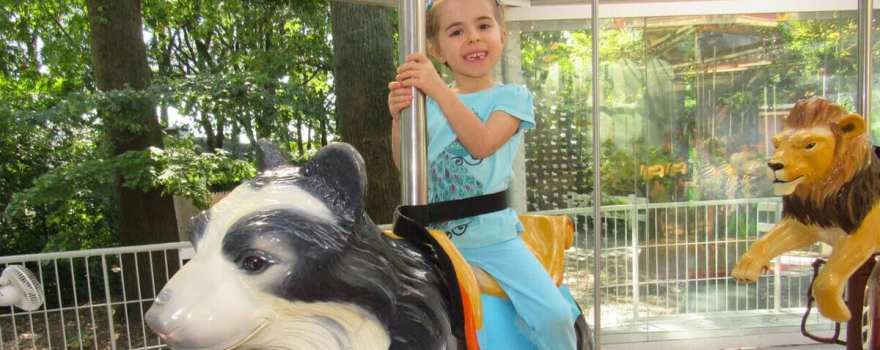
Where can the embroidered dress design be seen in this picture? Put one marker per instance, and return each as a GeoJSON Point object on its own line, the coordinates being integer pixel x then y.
{"type": "Point", "coordinates": [454, 174]}
{"type": "Point", "coordinates": [450, 179]}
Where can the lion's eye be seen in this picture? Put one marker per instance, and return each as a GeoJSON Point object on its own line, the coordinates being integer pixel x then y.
{"type": "Point", "coordinates": [253, 263]}
{"type": "Point", "coordinates": [811, 145]}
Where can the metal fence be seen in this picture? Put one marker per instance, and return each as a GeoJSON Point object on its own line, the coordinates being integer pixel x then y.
{"type": "Point", "coordinates": [95, 299]}
{"type": "Point", "coordinates": [657, 260]}
{"type": "Point", "coordinates": [675, 258]}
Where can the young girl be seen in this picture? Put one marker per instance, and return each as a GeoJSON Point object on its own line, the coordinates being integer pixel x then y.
{"type": "Point", "coordinates": [474, 130]}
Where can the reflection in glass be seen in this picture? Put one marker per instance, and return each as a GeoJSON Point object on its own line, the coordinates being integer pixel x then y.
{"type": "Point", "coordinates": [689, 107]}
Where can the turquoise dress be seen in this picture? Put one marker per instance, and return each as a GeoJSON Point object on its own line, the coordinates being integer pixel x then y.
{"type": "Point", "coordinates": [454, 174]}
{"type": "Point", "coordinates": [544, 315]}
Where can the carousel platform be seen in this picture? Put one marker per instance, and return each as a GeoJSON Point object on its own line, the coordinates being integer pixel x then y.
{"type": "Point", "coordinates": [723, 331]}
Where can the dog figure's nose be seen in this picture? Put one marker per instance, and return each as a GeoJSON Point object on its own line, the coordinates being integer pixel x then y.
{"type": "Point", "coordinates": [775, 166]}
{"type": "Point", "coordinates": [163, 297]}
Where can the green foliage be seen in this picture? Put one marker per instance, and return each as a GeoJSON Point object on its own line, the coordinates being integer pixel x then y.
{"type": "Point", "coordinates": [693, 93]}
{"type": "Point", "coordinates": [233, 69]}
{"type": "Point", "coordinates": [179, 170]}
{"type": "Point", "coordinates": [241, 68]}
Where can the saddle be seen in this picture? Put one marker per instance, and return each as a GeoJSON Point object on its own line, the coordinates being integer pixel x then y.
{"type": "Point", "coordinates": [545, 236]}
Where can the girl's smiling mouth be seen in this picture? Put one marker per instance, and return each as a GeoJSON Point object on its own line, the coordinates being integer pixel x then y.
{"type": "Point", "coordinates": [476, 56]}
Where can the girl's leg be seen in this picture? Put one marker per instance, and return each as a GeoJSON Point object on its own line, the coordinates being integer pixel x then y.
{"type": "Point", "coordinates": [545, 314]}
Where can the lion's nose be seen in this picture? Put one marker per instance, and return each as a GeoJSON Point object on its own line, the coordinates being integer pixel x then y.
{"type": "Point", "coordinates": [775, 166]}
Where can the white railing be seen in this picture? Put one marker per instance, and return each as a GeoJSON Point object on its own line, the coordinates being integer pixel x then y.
{"type": "Point", "coordinates": [674, 258]}
{"type": "Point", "coordinates": [95, 299]}
{"type": "Point", "coordinates": [658, 259]}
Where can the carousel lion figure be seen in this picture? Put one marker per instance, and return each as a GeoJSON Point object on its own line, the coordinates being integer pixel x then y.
{"type": "Point", "coordinates": [828, 173]}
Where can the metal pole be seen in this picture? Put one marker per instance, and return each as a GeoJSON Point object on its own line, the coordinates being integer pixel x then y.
{"type": "Point", "coordinates": [597, 183]}
{"type": "Point", "coordinates": [413, 138]}
{"type": "Point", "coordinates": [777, 284]}
{"type": "Point", "coordinates": [855, 290]}
{"type": "Point", "coordinates": [864, 96]}
{"type": "Point", "coordinates": [634, 232]}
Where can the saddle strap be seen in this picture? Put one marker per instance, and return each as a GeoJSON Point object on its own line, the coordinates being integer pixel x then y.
{"type": "Point", "coordinates": [461, 320]}
{"type": "Point", "coordinates": [458, 209]}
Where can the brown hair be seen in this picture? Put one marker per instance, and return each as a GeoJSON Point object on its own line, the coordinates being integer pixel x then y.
{"type": "Point", "coordinates": [433, 23]}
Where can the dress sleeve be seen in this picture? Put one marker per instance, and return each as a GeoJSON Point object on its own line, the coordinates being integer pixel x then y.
{"type": "Point", "coordinates": [516, 100]}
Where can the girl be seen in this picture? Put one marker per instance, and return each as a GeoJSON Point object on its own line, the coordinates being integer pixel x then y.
{"type": "Point", "coordinates": [475, 128]}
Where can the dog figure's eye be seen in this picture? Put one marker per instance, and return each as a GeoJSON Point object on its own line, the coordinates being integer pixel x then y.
{"type": "Point", "coordinates": [811, 145]}
{"type": "Point", "coordinates": [253, 263]}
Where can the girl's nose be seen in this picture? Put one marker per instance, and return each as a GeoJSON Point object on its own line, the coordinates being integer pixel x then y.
{"type": "Point", "coordinates": [473, 36]}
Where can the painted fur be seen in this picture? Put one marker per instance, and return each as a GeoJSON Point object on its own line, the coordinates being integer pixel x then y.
{"type": "Point", "coordinates": [827, 171]}
{"type": "Point", "coordinates": [289, 260]}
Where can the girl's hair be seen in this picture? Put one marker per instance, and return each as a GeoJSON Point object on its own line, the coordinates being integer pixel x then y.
{"type": "Point", "coordinates": [433, 23]}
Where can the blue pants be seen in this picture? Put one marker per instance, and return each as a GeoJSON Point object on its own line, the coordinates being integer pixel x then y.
{"type": "Point", "coordinates": [544, 314]}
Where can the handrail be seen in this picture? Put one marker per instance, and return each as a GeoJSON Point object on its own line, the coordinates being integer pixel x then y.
{"type": "Point", "coordinates": [94, 252]}
{"type": "Point", "coordinates": [183, 245]}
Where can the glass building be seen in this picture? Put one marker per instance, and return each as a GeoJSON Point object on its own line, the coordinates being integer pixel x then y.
{"type": "Point", "coordinates": [690, 95]}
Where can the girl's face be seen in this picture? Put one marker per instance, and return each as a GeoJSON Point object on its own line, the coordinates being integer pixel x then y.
{"type": "Point", "coordinates": [469, 40]}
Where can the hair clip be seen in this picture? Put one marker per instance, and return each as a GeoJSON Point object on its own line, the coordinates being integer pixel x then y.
{"type": "Point", "coordinates": [430, 3]}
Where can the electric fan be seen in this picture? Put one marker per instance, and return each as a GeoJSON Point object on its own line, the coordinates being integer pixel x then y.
{"type": "Point", "coordinates": [19, 287]}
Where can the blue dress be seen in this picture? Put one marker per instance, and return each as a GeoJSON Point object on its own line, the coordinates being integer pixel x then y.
{"type": "Point", "coordinates": [491, 241]}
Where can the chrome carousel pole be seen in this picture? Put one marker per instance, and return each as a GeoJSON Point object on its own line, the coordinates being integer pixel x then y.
{"type": "Point", "coordinates": [866, 12]}
{"type": "Point", "coordinates": [413, 137]}
{"type": "Point", "coordinates": [597, 182]}
{"type": "Point", "coordinates": [856, 292]}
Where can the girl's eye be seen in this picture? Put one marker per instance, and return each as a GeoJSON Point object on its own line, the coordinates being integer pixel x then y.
{"type": "Point", "coordinates": [455, 33]}
{"type": "Point", "coordinates": [485, 26]}
{"type": "Point", "coordinates": [811, 145]}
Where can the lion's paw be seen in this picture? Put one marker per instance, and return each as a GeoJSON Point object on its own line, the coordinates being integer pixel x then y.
{"type": "Point", "coordinates": [828, 293]}
{"type": "Point", "coordinates": [748, 268]}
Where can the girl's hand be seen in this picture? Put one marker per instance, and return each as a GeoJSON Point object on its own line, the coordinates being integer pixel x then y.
{"type": "Point", "coordinates": [418, 71]}
{"type": "Point", "coordinates": [399, 98]}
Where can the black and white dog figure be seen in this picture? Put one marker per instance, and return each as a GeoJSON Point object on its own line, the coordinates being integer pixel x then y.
{"type": "Point", "coordinates": [289, 260]}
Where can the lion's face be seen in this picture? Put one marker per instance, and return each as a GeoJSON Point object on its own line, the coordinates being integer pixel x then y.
{"type": "Point", "coordinates": [802, 157]}
{"type": "Point", "coordinates": [820, 149]}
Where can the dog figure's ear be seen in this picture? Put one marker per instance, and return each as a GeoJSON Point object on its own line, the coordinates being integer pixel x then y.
{"type": "Point", "coordinates": [341, 167]}
{"type": "Point", "coordinates": [269, 156]}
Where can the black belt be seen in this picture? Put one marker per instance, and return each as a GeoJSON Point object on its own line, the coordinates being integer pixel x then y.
{"type": "Point", "coordinates": [456, 209]}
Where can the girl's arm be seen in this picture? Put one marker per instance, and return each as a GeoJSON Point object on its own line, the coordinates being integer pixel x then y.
{"type": "Point", "coordinates": [395, 142]}
{"type": "Point", "coordinates": [481, 140]}
{"type": "Point", "coordinates": [398, 99]}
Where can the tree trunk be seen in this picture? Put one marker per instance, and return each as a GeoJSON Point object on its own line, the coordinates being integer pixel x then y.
{"type": "Point", "coordinates": [300, 148]}
{"type": "Point", "coordinates": [323, 131]}
{"type": "Point", "coordinates": [363, 48]}
{"type": "Point", "coordinates": [119, 59]}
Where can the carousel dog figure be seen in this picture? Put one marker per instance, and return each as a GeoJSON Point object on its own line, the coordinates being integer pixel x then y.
{"type": "Point", "coordinates": [828, 173]}
{"type": "Point", "coordinates": [289, 260]}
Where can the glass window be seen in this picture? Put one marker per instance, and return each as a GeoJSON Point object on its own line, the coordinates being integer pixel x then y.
{"type": "Point", "coordinates": [689, 105]}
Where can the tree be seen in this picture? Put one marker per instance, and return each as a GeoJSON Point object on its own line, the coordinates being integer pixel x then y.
{"type": "Point", "coordinates": [45, 124]}
{"type": "Point", "coordinates": [119, 61]}
{"type": "Point", "coordinates": [256, 68]}
{"type": "Point", "coordinates": [363, 47]}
